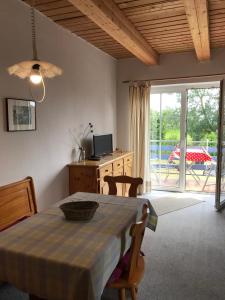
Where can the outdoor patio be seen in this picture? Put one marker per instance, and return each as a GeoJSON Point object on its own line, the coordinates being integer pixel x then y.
{"type": "Point", "coordinates": [200, 165]}
{"type": "Point", "coordinates": [161, 179]}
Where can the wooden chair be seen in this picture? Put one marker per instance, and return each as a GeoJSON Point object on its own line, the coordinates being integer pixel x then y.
{"type": "Point", "coordinates": [133, 277]}
{"type": "Point", "coordinates": [17, 202]}
{"type": "Point", "coordinates": [113, 180]}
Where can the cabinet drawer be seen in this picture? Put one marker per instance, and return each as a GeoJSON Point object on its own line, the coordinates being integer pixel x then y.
{"type": "Point", "coordinates": [117, 165]}
{"type": "Point", "coordinates": [82, 180]}
{"type": "Point", "coordinates": [107, 170]}
{"type": "Point", "coordinates": [104, 188]}
{"type": "Point", "coordinates": [128, 170]}
{"type": "Point", "coordinates": [128, 160]}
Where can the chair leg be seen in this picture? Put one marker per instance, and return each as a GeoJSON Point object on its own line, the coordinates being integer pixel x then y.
{"type": "Point", "coordinates": [133, 293]}
{"type": "Point", "coordinates": [122, 294]}
{"type": "Point", "coordinates": [207, 178]}
{"type": "Point", "coordinates": [32, 297]}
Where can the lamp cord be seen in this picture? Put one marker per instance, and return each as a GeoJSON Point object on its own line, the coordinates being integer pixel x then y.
{"type": "Point", "coordinates": [35, 57]}
{"type": "Point", "coordinates": [33, 29]}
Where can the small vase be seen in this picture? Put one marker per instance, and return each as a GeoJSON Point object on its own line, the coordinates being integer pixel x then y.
{"type": "Point", "coordinates": [83, 155]}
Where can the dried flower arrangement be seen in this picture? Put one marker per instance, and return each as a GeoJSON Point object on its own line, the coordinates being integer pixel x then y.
{"type": "Point", "coordinates": [78, 140]}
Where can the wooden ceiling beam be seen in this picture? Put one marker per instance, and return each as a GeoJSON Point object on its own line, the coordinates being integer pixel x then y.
{"type": "Point", "coordinates": [107, 15]}
{"type": "Point", "coordinates": [197, 15]}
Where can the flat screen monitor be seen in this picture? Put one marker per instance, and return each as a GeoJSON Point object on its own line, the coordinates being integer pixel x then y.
{"type": "Point", "coordinates": [102, 144]}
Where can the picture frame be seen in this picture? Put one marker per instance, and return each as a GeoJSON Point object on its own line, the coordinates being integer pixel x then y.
{"type": "Point", "coordinates": [21, 114]}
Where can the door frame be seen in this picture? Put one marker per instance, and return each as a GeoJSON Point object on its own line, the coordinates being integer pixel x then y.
{"type": "Point", "coordinates": [220, 157]}
{"type": "Point", "coordinates": [183, 140]}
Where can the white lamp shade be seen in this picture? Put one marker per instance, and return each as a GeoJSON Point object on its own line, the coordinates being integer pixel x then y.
{"type": "Point", "coordinates": [24, 68]}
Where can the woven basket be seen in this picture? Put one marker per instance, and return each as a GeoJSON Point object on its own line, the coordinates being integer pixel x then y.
{"type": "Point", "coordinates": [79, 210]}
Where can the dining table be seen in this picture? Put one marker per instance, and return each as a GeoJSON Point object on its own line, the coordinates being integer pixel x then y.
{"type": "Point", "coordinates": [193, 156]}
{"type": "Point", "coordinates": [52, 258]}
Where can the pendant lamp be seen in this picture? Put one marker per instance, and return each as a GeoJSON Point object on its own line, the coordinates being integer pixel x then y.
{"type": "Point", "coordinates": [35, 70]}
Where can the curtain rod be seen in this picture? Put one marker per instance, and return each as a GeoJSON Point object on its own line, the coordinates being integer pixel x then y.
{"type": "Point", "coordinates": [173, 78]}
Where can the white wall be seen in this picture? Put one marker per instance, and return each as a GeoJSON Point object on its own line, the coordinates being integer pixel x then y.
{"type": "Point", "coordinates": [171, 66]}
{"type": "Point", "coordinates": [85, 93]}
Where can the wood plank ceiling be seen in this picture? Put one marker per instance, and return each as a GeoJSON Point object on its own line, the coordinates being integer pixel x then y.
{"type": "Point", "coordinates": [166, 25]}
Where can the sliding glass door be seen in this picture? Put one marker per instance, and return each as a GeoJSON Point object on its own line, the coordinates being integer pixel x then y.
{"type": "Point", "coordinates": [166, 139]}
{"type": "Point", "coordinates": [183, 151]}
{"type": "Point", "coordinates": [202, 127]}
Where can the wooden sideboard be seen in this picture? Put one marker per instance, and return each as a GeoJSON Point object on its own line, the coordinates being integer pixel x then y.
{"type": "Point", "coordinates": [88, 176]}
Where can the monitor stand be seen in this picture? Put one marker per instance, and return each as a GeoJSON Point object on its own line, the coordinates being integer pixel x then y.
{"type": "Point", "coordinates": [94, 158]}
{"type": "Point", "coordinates": [107, 154]}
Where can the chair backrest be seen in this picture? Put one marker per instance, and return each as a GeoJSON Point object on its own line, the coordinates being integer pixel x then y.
{"type": "Point", "coordinates": [17, 202]}
{"type": "Point", "coordinates": [137, 232]}
{"type": "Point", "coordinates": [113, 180]}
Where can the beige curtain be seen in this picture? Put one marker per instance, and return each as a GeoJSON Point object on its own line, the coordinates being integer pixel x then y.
{"type": "Point", "coordinates": [139, 102]}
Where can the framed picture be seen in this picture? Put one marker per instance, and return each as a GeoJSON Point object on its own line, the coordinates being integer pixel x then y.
{"type": "Point", "coordinates": [21, 114]}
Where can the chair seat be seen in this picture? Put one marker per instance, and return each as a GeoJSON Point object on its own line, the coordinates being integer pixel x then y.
{"type": "Point", "coordinates": [134, 280]}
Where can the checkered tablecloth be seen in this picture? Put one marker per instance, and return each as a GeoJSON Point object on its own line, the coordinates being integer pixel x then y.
{"type": "Point", "coordinates": [194, 155]}
{"type": "Point", "coordinates": [56, 259]}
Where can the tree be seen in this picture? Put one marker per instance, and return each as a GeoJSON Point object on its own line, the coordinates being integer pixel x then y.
{"type": "Point", "coordinates": [170, 120]}
{"type": "Point", "coordinates": [174, 134]}
{"type": "Point", "coordinates": [202, 119]}
{"type": "Point", "coordinates": [154, 125]}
